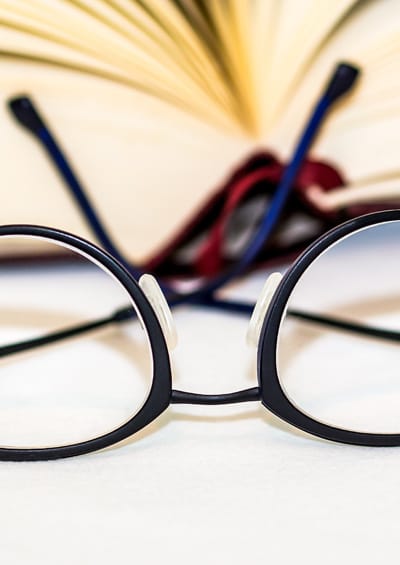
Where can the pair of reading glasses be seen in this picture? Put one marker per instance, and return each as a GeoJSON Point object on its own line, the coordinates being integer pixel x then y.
{"type": "Point", "coordinates": [332, 376]}
{"type": "Point", "coordinates": [63, 417]}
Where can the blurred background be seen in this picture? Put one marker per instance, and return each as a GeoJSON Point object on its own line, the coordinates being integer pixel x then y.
{"type": "Point", "coordinates": [178, 118]}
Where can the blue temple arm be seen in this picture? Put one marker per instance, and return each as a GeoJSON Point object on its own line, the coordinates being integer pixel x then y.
{"type": "Point", "coordinates": [24, 110]}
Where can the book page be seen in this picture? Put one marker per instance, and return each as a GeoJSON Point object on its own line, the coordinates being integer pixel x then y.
{"type": "Point", "coordinates": [362, 133]}
{"type": "Point", "coordinates": [156, 102]}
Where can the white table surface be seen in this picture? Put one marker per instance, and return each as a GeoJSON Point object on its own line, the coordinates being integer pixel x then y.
{"type": "Point", "coordinates": [225, 484]}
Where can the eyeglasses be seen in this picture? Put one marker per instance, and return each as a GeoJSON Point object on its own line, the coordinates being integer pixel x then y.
{"type": "Point", "coordinates": [83, 370]}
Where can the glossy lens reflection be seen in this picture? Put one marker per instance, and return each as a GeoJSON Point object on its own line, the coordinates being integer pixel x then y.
{"type": "Point", "coordinates": [76, 388]}
{"type": "Point", "coordinates": [338, 377]}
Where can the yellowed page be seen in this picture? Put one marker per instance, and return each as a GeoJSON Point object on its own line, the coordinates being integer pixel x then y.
{"type": "Point", "coordinates": [362, 134]}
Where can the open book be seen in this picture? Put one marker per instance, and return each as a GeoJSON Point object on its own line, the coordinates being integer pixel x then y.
{"type": "Point", "coordinates": [156, 101]}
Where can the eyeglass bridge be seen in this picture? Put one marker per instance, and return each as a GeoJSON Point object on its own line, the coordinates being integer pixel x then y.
{"type": "Point", "coordinates": [247, 395]}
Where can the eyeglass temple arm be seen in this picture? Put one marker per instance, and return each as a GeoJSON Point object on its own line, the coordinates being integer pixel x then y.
{"type": "Point", "coordinates": [341, 82]}
{"type": "Point", "coordinates": [28, 116]}
{"type": "Point", "coordinates": [328, 321]}
{"type": "Point", "coordinates": [243, 308]}
{"type": "Point", "coordinates": [73, 331]}
{"type": "Point", "coordinates": [360, 329]}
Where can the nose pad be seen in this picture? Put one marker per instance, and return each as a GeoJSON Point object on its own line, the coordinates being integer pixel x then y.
{"type": "Point", "coordinates": [155, 296]}
{"type": "Point", "coordinates": [261, 307]}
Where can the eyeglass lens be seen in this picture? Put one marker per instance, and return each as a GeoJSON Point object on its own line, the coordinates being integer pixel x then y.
{"type": "Point", "coordinates": [337, 377]}
{"type": "Point", "coordinates": [74, 389]}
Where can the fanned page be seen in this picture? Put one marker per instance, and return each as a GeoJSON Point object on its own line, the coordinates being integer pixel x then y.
{"type": "Point", "coordinates": [362, 134]}
{"type": "Point", "coordinates": [156, 101]}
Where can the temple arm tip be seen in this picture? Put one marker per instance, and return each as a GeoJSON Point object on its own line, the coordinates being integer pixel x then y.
{"type": "Point", "coordinates": [25, 112]}
{"type": "Point", "coordinates": [343, 79]}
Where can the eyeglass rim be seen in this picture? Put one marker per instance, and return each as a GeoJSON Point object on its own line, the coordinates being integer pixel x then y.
{"type": "Point", "coordinates": [158, 398]}
{"type": "Point", "coordinates": [273, 396]}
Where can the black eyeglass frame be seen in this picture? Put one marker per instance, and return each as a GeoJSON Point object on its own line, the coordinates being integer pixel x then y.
{"type": "Point", "coordinates": [273, 395]}
{"type": "Point", "coordinates": [161, 395]}
{"type": "Point", "coordinates": [160, 392]}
